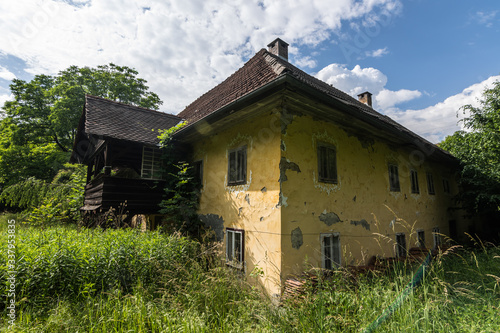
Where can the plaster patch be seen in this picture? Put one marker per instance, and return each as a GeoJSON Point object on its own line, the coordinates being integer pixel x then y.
{"type": "Point", "coordinates": [247, 199]}
{"type": "Point", "coordinates": [285, 164]}
{"type": "Point", "coordinates": [297, 238]}
{"type": "Point", "coordinates": [240, 139]}
{"type": "Point", "coordinates": [283, 145]}
{"type": "Point", "coordinates": [325, 187]}
{"type": "Point", "coordinates": [329, 218]}
{"type": "Point", "coordinates": [362, 223]}
{"type": "Point", "coordinates": [282, 201]}
{"type": "Point", "coordinates": [215, 222]}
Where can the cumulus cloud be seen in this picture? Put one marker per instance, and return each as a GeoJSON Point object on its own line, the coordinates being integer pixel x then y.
{"type": "Point", "coordinates": [182, 47]}
{"type": "Point", "coordinates": [6, 74]}
{"type": "Point", "coordinates": [357, 80]}
{"type": "Point", "coordinates": [442, 119]}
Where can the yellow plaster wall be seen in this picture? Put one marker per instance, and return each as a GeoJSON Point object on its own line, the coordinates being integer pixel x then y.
{"type": "Point", "coordinates": [253, 206]}
{"type": "Point", "coordinates": [362, 193]}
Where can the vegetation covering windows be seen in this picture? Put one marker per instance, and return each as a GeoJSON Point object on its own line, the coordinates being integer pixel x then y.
{"type": "Point", "coordinates": [234, 247]}
{"type": "Point", "coordinates": [420, 238]}
{"type": "Point", "coordinates": [430, 184]}
{"type": "Point", "coordinates": [330, 250]}
{"type": "Point", "coordinates": [327, 164]}
{"type": "Point", "coordinates": [394, 178]}
{"type": "Point", "coordinates": [237, 166]}
{"type": "Point", "coordinates": [414, 182]}
{"type": "Point", "coordinates": [198, 172]}
{"type": "Point", "coordinates": [151, 163]}
{"type": "Point", "coordinates": [400, 244]}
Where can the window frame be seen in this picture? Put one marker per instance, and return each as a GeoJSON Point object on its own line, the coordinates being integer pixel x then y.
{"type": "Point", "coordinates": [327, 170]}
{"type": "Point", "coordinates": [334, 258]}
{"type": "Point", "coordinates": [230, 247]}
{"type": "Point", "coordinates": [394, 184]}
{"type": "Point", "coordinates": [430, 184]}
{"type": "Point", "coordinates": [436, 237]}
{"type": "Point", "coordinates": [153, 168]}
{"type": "Point", "coordinates": [421, 238]}
{"type": "Point", "coordinates": [198, 171]}
{"type": "Point", "coordinates": [401, 248]}
{"type": "Point", "coordinates": [240, 166]}
{"type": "Point", "coordinates": [415, 188]}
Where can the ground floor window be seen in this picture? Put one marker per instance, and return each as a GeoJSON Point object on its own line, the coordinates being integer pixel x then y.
{"type": "Point", "coordinates": [436, 237]}
{"type": "Point", "coordinates": [234, 247]}
{"type": "Point", "coordinates": [400, 244]}
{"type": "Point", "coordinates": [330, 250]}
{"type": "Point", "coordinates": [420, 238]}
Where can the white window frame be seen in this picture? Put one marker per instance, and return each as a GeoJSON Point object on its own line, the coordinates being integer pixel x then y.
{"type": "Point", "coordinates": [231, 244]}
{"type": "Point", "coordinates": [151, 163]}
{"type": "Point", "coordinates": [436, 237]}
{"type": "Point", "coordinates": [331, 260]}
{"type": "Point", "coordinates": [237, 171]}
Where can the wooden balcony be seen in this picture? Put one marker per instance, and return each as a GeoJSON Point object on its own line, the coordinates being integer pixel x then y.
{"type": "Point", "coordinates": [141, 196]}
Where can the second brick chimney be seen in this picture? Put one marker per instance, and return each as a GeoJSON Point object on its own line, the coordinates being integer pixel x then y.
{"type": "Point", "coordinates": [279, 48]}
{"type": "Point", "coordinates": [365, 98]}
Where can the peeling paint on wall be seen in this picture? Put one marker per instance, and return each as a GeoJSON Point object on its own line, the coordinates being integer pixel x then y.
{"type": "Point", "coordinates": [283, 146]}
{"type": "Point", "coordinates": [362, 223]}
{"type": "Point", "coordinates": [215, 222]}
{"type": "Point", "coordinates": [329, 218]}
{"type": "Point", "coordinates": [297, 238]}
{"type": "Point", "coordinates": [247, 199]}
{"type": "Point", "coordinates": [282, 201]}
{"type": "Point", "coordinates": [237, 189]}
{"type": "Point", "coordinates": [285, 164]}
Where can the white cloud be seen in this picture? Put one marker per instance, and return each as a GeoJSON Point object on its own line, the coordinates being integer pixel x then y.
{"type": "Point", "coordinates": [182, 47]}
{"type": "Point", "coordinates": [437, 121]}
{"type": "Point", "coordinates": [357, 80]}
{"type": "Point", "coordinates": [485, 18]}
{"type": "Point", "coordinates": [6, 74]}
{"type": "Point", "coordinates": [4, 98]}
{"type": "Point", "coordinates": [377, 53]}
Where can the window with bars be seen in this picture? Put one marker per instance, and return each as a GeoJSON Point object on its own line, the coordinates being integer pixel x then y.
{"type": "Point", "coordinates": [400, 244]}
{"type": "Point", "coordinates": [327, 164]}
{"type": "Point", "coordinates": [237, 166]}
{"type": "Point", "coordinates": [430, 184]}
{"type": "Point", "coordinates": [414, 182]}
{"type": "Point", "coordinates": [394, 178]}
{"type": "Point", "coordinates": [151, 167]}
{"type": "Point", "coordinates": [234, 247]}
{"type": "Point", "coordinates": [330, 250]}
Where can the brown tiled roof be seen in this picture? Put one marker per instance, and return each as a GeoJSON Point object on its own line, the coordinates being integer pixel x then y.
{"type": "Point", "coordinates": [116, 120]}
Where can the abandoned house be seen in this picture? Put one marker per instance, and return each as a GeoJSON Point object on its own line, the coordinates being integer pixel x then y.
{"type": "Point", "coordinates": [295, 173]}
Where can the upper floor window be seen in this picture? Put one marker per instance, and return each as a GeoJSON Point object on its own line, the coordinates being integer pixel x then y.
{"type": "Point", "coordinates": [394, 178]}
{"type": "Point", "coordinates": [237, 166]}
{"type": "Point", "coordinates": [430, 184]}
{"type": "Point", "coordinates": [327, 164]}
{"type": "Point", "coordinates": [151, 163]}
{"type": "Point", "coordinates": [414, 182]}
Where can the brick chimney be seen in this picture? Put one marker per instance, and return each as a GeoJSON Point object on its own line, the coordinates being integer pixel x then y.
{"type": "Point", "coordinates": [365, 98]}
{"type": "Point", "coordinates": [279, 48]}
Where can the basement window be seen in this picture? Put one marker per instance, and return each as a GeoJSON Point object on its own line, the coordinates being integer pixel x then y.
{"type": "Point", "coordinates": [414, 182]}
{"type": "Point", "coordinates": [330, 250]}
{"type": "Point", "coordinates": [234, 247]}
{"type": "Point", "coordinates": [394, 178]}
{"type": "Point", "coordinates": [151, 163]}
{"type": "Point", "coordinates": [327, 164]}
{"type": "Point", "coordinates": [430, 184]}
{"type": "Point", "coordinates": [400, 244]}
{"type": "Point", "coordinates": [237, 166]}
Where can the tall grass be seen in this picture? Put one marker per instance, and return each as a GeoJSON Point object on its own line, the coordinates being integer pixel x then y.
{"type": "Point", "coordinates": [127, 281]}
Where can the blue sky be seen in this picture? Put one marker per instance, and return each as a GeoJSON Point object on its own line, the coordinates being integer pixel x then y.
{"type": "Point", "coordinates": [421, 59]}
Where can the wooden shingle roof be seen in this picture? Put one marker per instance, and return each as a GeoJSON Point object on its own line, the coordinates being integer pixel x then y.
{"type": "Point", "coordinates": [116, 120]}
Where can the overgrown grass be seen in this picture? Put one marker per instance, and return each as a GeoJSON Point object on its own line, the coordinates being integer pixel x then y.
{"type": "Point", "coordinates": [122, 280]}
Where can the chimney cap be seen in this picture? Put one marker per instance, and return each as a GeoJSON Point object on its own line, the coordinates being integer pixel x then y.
{"type": "Point", "coordinates": [365, 98]}
{"type": "Point", "coordinates": [365, 93]}
{"type": "Point", "coordinates": [277, 40]}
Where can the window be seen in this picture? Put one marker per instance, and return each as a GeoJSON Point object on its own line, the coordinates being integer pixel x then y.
{"type": "Point", "coordinates": [198, 172]}
{"type": "Point", "coordinates": [446, 185]}
{"type": "Point", "coordinates": [234, 247]}
{"type": "Point", "coordinates": [394, 178]}
{"type": "Point", "coordinates": [151, 163]}
{"type": "Point", "coordinates": [237, 166]}
{"type": "Point", "coordinates": [400, 244]}
{"type": "Point", "coordinates": [436, 237]}
{"type": "Point", "coordinates": [330, 250]}
{"type": "Point", "coordinates": [421, 238]}
{"type": "Point", "coordinates": [430, 184]}
{"type": "Point", "coordinates": [327, 164]}
{"type": "Point", "coordinates": [414, 181]}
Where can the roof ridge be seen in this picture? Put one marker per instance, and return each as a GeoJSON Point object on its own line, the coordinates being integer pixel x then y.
{"type": "Point", "coordinates": [139, 108]}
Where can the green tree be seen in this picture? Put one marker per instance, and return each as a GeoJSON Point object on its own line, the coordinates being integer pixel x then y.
{"type": "Point", "coordinates": [39, 125]}
{"type": "Point", "coordinates": [479, 151]}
